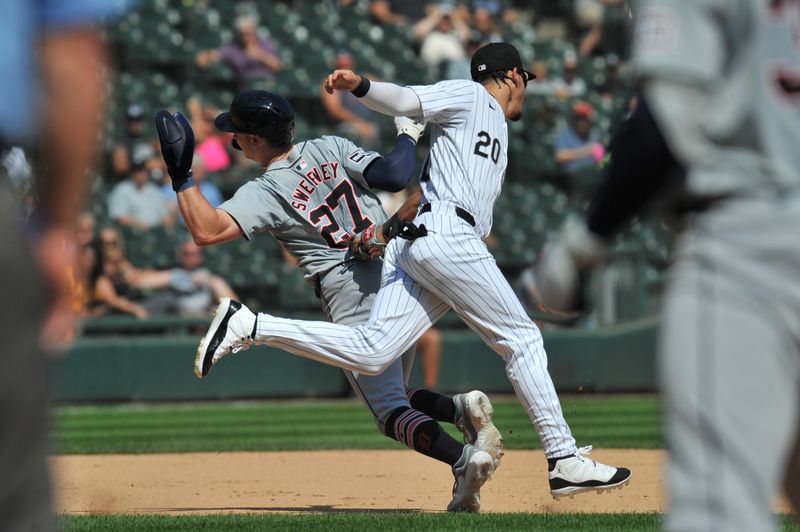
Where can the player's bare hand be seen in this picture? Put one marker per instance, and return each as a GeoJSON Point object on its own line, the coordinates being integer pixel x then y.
{"type": "Point", "coordinates": [341, 80]}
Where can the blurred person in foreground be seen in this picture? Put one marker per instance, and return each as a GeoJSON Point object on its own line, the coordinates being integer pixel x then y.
{"type": "Point", "coordinates": [56, 41]}
{"type": "Point", "coordinates": [715, 130]}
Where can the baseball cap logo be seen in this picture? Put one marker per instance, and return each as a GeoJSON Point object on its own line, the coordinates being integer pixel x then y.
{"type": "Point", "coordinates": [497, 56]}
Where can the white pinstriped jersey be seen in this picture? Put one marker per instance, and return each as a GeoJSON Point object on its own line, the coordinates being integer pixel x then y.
{"type": "Point", "coordinates": [469, 145]}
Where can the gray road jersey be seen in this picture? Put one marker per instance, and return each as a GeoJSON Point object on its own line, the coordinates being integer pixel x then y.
{"type": "Point", "coordinates": [744, 54]}
{"type": "Point", "coordinates": [469, 145]}
{"type": "Point", "coordinates": [313, 202]}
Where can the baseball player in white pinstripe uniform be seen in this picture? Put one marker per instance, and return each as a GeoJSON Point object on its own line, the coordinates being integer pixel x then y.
{"type": "Point", "coordinates": [314, 197]}
{"type": "Point", "coordinates": [450, 267]}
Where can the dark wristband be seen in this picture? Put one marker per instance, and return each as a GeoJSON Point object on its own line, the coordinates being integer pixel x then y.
{"type": "Point", "coordinates": [391, 227]}
{"type": "Point", "coordinates": [180, 186]}
{"type": "Point", "coordinates": [362, 89]}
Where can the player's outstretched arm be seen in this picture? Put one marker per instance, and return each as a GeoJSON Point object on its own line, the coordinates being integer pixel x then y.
{"type": "Point", "coordinates": [206, 224]}
{"type": "Point", "coordinates": [386, 98]}
{"type": "Point", "coordinates": [393, 171]}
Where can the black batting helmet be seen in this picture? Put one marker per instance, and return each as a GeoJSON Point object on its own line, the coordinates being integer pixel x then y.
{"type": "Point", "coordinates": [261, 113]}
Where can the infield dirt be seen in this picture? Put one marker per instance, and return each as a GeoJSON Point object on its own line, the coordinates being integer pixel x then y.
{"type": "Point", "coordinates": [321, 481]}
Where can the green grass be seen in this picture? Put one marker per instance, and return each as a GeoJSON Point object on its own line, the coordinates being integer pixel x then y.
{"type": "Point", "coordinates": [385, 521]}
{"type": "Point", "coordinates": [603, 421]}
{"type": "Point", "coordinates": [368, 521]}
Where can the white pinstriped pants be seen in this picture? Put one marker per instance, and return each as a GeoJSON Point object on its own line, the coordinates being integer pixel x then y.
{"type": "Point", "coordinates": [421, 280]}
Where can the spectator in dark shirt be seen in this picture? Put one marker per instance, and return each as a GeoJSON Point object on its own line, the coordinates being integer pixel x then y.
{"type": "Point", "coordinates": [250, 56]}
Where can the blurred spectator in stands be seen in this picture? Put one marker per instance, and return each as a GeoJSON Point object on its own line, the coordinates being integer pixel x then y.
{"type": "Point", "coordinates": [443, 34]}
{"type": "Point", "coordinates": [484, 26]}
{"type": "Point", "coordinates": [132, 145]}
{"type": "Point", "coordinates": [589, 18]}
{"type": "Point", "coordinates": [109, 240]}
{"type": "Point", "coordinates": [119, 286]}
{"type": "Point", "coordinates": [543, 85]}
{"type": "Point", "coordinates": [351, 116]}
{"type": "Point", "coordinates": [577, 147]}
{"type": "Point", "coordinates": [459, 68]}
{"type": "Point", "coordinates": [137, 201]}
{"type": "Point", "coordinates": [208, 189]}
{"type": "Point", "coordinates": [498, 9]}
{"type": "Point", "coordinates": [212, 145]}
{"type": "Point", "coordinates": [195, 288]}
{"type": "Point", "coordinates": [249, 56]}
{"type": "Point", "coordinates": [85, 227]}
{"type": "Point", "coordinates": [108, 286]}
{"type": "Point", "coordinates": [612, 85]}
{"type": "Point", "coordinates": [398, 12]}
{"type": "Point", "coordinates": [570, 85]}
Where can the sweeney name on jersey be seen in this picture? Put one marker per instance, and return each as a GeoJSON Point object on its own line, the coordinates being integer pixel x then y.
{"type": "Point", "coordinates": [333, 205]}
{"type": "Point", "coordinates": [314, 177]}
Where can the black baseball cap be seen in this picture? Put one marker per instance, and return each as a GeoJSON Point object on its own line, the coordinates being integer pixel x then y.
{"type": "Point", "coordinates": [497, 56]}
{"type": "Point", "coordinates": [262, 113]}
{"type": "Point", "coordinates": [255, 111]}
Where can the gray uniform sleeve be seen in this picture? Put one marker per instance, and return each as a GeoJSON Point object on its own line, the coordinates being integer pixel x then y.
{"type": "Point", "coordinates": [354, 160]}
{"type": "Point", "coordinates": [446, 102]}
{"type": "Point", "coordinates": [679, 40]}
{"type": "Point", "coordinates": [254, 208]}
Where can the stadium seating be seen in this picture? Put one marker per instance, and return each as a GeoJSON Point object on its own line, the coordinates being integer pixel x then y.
{"type": "Point", "coordinates": [155, 48]}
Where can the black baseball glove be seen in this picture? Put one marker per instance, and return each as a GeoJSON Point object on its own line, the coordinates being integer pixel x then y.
{"type": "Point", "coordinates": [177, 147]}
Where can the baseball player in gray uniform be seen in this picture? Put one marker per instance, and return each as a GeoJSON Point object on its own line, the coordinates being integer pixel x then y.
{"type": "Point", "coordinates": [718, 120]}
{"type": "Point", "coordinates": [314, 197]}
{"type": "Point", "coordinates": [449, 267]}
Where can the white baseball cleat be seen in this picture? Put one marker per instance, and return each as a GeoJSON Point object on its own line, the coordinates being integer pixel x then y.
{"type": "Point", "coordinates": [578, 474]}
{"type": "Point", "coordinates": [474, 420]}
{"type": "Point", "coordinates": [230, 331]}
{"type": "Point", "coordinates": [472, 470]}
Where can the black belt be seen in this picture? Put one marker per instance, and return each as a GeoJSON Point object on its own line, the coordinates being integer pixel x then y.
{"type": "Point", "coordinates": [461, 213]}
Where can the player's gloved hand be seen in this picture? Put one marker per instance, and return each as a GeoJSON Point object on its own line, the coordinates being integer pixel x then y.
{"type": "Point", "coordinates": [409, 127]}
{"type": "Point", "coordinates": [177, 147]}
{"type": "Point", "coordinates": [563, 263]}
{"type": "Point", "coordinates": [370, 243]}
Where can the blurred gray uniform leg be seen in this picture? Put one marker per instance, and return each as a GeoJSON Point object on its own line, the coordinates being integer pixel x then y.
{"type": "Point", "coordinates": [729, 364]}
{"type": "Point", "coordinates": [24, 478]}
{"type": "Point", "coordinates": [348, 293]}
